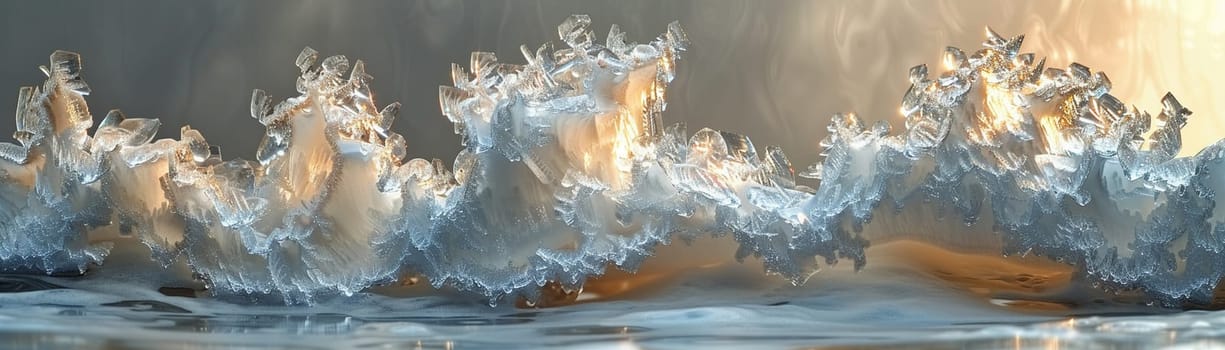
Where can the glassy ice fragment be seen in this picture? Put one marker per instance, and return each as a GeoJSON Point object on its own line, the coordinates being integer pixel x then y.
{"type": "Point", "coordinates": [918, 74]}
{"type": "Point", "coordinates": [13, 153]}
{"type": "Point", "coordinates": [575, 32]}
{"type": "Point", "coordinates": [616, 40]}
{"type": "Point", "coordinates": [306, 58]}
{"type": "Point", "coordinates": [954, 58]}
{"type": "Point", "coordinates": [388, 114]}
{"type": "Point", "coordinates": [261, 105]}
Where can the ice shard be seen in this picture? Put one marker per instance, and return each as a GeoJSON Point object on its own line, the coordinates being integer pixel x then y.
{"type": "Point", "coordinates": [568, 169]}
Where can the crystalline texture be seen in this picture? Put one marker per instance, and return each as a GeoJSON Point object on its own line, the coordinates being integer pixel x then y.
{"type": "Point", "coordinates": [49, 193]}
{"type": "Point", "coordinates": [568, 168]}
{"type": "Point", "coordinates": [303, 220]}
{"type": "Point", "coordinates": [561, 173]}
{"type": "Point", "coordinates": [1051, 160]}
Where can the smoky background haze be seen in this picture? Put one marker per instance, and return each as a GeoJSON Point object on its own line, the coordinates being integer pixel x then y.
{"type": "Point", "coordinates": [773, 70]}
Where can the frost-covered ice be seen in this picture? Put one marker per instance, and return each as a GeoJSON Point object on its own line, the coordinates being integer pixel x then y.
{"type": "Point", "coordinates": [568, 169]}
{"type": "Point", "coordinates": [49, 193]}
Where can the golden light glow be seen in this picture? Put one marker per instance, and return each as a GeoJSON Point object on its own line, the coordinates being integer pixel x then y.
{"type": "Point", "coordinates": [618, 145]}
{"type": "Point", "coordinates": [1052, 133]}
{"type": "Point", "coordinates": [1148, 47]}
{"type": "Point", "coordinates": [1002, 112]}
{"type": "Point", "coordinates": [628, 128]}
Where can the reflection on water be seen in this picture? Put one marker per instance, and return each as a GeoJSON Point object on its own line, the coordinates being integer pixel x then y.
{"type": "Point", "coordinates": [924, 297]}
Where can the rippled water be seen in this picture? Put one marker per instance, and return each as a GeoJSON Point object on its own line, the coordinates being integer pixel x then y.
{"type": "Point", "coordinates": [772, 70]}
{"type": "Point", "coordinates": [886, 314]}
{"type": "Point", "coordinates": [933, 298]}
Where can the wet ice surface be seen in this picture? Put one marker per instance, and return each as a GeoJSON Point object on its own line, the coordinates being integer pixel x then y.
{"type": "Point", "coordinates": [728, 307]}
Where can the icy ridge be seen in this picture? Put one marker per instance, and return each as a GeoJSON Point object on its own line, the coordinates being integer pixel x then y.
{"type": "Point", "coordinates": [568, 169]}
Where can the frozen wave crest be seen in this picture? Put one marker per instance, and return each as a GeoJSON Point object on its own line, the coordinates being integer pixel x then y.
{"type": "Point", "coordinates": [568, 169]}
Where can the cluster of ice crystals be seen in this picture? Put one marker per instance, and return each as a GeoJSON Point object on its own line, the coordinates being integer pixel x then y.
{"type": "Point", "coordinates": [304, 220]}
{"type": "Point", "coordinates": [1053, 162]}
{"type": "Point", "coordinates": [307, 217]}
{"type": "Point", "coordinates": [568, 169]}
{"type": "Point", "coordinates": [49, 196]}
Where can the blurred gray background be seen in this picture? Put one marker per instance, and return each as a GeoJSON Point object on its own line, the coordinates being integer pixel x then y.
{"type": "Point", "coordinates": [774, 70]}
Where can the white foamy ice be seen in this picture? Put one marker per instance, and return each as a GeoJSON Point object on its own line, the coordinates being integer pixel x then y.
{"type": "Point", "coordinates": [567, 170]}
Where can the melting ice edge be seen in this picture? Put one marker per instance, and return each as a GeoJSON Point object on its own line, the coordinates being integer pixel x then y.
{"type": "Point", "coordinates": [567, 169]}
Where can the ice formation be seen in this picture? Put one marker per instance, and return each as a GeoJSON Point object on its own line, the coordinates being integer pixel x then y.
{"type": "Point", "coordinates": [568, 168]}
{"type": "Point", "coordinates": [50, 182]}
